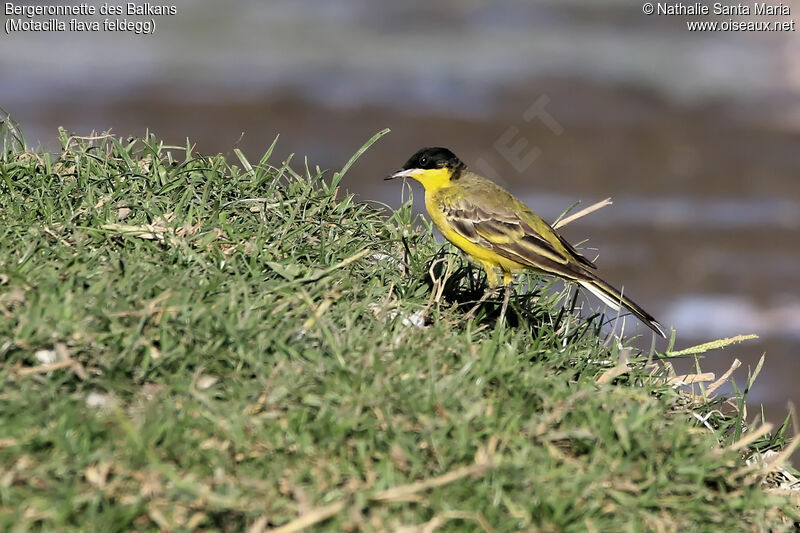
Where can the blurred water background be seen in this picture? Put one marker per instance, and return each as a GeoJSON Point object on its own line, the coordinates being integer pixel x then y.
{"type": "Point", "coordinates": [696, 136]}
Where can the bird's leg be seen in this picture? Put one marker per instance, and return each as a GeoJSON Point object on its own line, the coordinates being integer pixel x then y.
{"type": "Point", "coordinates": [507, 279]}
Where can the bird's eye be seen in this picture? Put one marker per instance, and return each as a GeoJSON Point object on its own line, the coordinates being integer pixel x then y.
{"type": "Point", "coordinates": [423, 160]}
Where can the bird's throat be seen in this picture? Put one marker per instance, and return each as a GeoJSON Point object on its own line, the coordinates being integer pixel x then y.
{"type": "Point", "coordinates": [434, 179]}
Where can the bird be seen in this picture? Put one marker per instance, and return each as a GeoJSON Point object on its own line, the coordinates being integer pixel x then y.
{"type": "Point", "coordinates": [497, 230]}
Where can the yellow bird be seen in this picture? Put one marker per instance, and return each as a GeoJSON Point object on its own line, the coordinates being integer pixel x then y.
{"type": "Point", "coordinates": [494, 228]}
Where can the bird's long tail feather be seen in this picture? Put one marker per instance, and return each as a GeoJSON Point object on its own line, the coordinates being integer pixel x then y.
{"type": "Point", "coordinates": [613, 298]}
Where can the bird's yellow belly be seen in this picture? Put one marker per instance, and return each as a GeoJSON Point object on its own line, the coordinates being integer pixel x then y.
{"type": "Point", "coordinates": [479, 253]}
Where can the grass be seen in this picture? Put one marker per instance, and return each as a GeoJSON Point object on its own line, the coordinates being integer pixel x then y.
{"type": "Point", "coordinates": [204, 343]}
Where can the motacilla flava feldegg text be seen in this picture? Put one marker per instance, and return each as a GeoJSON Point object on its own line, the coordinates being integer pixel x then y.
{"type": "Point", "coordinates": [490, 225]}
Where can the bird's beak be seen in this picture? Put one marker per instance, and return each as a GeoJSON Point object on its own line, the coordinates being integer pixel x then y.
{"type": "Point", "coordinates": [403, 174]}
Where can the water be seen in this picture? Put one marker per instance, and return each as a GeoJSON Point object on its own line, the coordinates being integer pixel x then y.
{"type": "Point", "coordinates": [445, 54]}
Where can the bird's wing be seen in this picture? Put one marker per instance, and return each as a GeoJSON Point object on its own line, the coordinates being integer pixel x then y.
{"type": "Point", "coordinates": [573, 252]}
{"type": "Point", "coordinates": [521, 237]}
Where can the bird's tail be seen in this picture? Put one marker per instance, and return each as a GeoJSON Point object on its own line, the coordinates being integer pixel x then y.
{"type": "Point", "coordinates": [613, 298]}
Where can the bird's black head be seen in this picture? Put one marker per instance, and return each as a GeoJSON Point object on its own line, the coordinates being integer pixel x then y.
{"type": "Point", "coordinates": [426, 167]}
{"type": "Point", "coordinates": [435, 157]}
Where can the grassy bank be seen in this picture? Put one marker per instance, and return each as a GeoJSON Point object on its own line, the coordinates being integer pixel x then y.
{"type": "Point", "coordinates": [207, 343]}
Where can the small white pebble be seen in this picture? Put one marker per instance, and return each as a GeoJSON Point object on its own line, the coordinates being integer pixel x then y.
{"type": "Point", "coordinates": [417, 320]}
{"type": "Point", "coordinates": [206, 382]}
{"type": "Point", "coordinates": [383, 258]}
{"type": "Point", "coordinates": [46, 357]}
{"type": "Point", "coordinates": [99, 400]}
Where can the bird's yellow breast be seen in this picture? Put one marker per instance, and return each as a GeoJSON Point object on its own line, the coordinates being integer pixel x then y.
{"type": "Point", "coordinates": [485, 255]}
